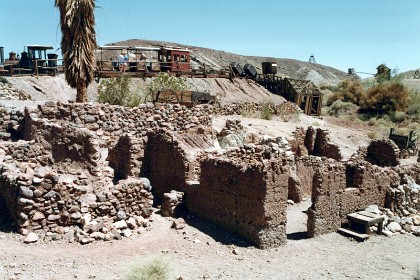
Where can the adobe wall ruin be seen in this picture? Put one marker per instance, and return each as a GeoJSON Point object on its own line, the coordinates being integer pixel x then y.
{"type": "Point", "coordinates": [77, 170]}
{"type": "Point", "coordinates": [383, 152]}
{"type": "Point", "coordinates": [340, 188]}
{"type": "Point", "coordinates": [315, 142]}
{"type": "Point", "coordinates": [244, 192]}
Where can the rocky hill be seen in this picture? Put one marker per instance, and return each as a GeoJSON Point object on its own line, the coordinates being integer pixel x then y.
{"type": "Point", "coordinates": [216, 59]}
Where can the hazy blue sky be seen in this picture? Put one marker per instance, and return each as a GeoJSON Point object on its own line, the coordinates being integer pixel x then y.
{"type": "Point", "coordinates": [355, 33]}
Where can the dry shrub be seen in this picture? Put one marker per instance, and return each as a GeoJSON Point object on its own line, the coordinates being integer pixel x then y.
{"type": "Point", "coordinates": [247, 111]}
{"type": "Point", "coordinates": [267, 110]}
{"type": "Point", "coordinates": [372, 134]}
{"type": "Point", "coordinates": [156, 268]}
{"type": "Point", "coordinates": [386, 98]}
{"type": "Point", "coordinates": [339, 108]}
{"type": "Point", "coordinates": [398, 116]}
{"type": "Point", "coordinates": [349, 90]}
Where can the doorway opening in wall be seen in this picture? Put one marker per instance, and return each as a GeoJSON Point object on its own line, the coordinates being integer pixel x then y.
{"type": "Point", "coordinates": [297, 220]}
{"type": "Point", "coordinates": [6, 221]}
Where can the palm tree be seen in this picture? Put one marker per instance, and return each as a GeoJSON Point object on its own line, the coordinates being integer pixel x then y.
{"type": "Point", "coordinates": [78, 43]}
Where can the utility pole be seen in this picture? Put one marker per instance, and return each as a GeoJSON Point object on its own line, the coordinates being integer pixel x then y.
{"type": "Point", "coordinates": [312, 59]}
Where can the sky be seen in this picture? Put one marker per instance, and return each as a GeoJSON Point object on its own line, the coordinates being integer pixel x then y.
{"type": "Point", "coordinates": [358, 34]}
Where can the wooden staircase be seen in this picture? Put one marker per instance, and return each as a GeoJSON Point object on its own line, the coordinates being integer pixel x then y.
{"type": "Point", "coordinates": [359, 225]}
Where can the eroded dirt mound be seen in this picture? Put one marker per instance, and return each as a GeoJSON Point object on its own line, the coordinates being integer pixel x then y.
{"type": "Point", "coordinates": [56, 88]}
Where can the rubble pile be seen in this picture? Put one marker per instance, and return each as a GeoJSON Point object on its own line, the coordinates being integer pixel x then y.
{"type": "Point", "coordinates": [395, 223]}
{"type": "Point", "coordinates": [7, 92]}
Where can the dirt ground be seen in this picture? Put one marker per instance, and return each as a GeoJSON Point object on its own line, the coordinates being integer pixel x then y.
{"type": "Point", "coordinates": [203, 251]}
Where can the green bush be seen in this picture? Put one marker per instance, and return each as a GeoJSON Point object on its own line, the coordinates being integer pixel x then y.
{"type": "Point", "coordinates": [386, 98]}
{"type": "Point", "coordinates": [414, 104]}
{"type": "Point", "coordinates": [116, 91]}
{"type": "Point", "coordinates": [163, 81]}
{"type": "Point", "coordinates": [349, 90]}
{"type": "Point", "coordinates": [156, 268]}
{"type": "Point", "coordinates": [398, 116]}
{"type": "Point", "coordinates": [3, 80]}
{"type": "Point", "coordinates": [339, 107]}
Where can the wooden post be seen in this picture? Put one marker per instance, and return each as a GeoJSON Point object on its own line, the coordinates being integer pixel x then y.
{"type": "Point", "coordinates": [36, 68]}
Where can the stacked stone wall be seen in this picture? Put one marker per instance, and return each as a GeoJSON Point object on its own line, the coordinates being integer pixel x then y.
{"type": "Point", "coordinates": [110, 122]}
{"type": "Point", "coordinates": [50, 201]}
{"type": "Point", "coordinates": [11, 124]}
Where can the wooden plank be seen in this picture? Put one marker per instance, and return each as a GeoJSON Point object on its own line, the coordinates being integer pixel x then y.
{"type": "Point", "coordinates": [354, 234]}
{"type": "Point", "coordinates": [368, 214]}
{"type": "Point", "coordinates": [359, 218]}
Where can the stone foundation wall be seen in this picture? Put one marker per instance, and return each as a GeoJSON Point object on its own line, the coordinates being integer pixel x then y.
{"type": "Point", "coordinates": [51, 201]}
{"type": "Point", "coordinates": [405, 198]}
{"type": "Point", "coordinates": [11, 124]}
{"type": "Point", "coordinates": [110, 122]}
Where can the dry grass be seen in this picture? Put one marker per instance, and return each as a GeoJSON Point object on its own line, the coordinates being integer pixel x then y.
{"type": "Point", "coordinates": [155, 267]}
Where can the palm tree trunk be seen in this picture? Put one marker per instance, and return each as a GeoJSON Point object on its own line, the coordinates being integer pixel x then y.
{"type": "Point", "coordinates": [81, 95]}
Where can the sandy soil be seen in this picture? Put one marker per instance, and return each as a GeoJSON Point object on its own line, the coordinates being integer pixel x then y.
{"type": "Point", "coordinates": [203, 251]}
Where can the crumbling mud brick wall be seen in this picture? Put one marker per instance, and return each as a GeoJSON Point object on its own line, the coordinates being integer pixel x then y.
{"type": "Point", "coordinates": [309, 146]}
{"type": "Point", "coordinates": [68, 143]}
{"type": "Point", "coordinates": [297, 142]}
{"type": "Point", "coordinates": [305, 171]}
{"type": "Point", "coordinates": [342, 188]}
{"type": "Point", "coordinates": [171, 158]}
{"type": "Point", "coordinates": [127, 156]}
{"type": "Point", "coordinates": [244, 194]}
{"type": "Point", "coordinates": [324, 147]}
{"type": "Point", "coordinates": [383, 152]}
{"type": "Point", "coordinates": [314, 142]}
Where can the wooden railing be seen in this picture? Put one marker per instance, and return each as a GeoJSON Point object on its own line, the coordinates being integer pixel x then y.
{"type": "Point", "coordinates": [37, 67]}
